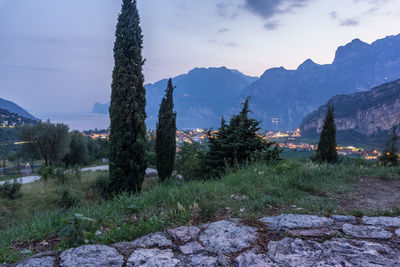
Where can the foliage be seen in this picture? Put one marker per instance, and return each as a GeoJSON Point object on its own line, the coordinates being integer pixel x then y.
{"type": "Point", "coordinates": [46, 141]}
{"type": "Point", "coordinates": [127, 108]}
{"type": "Point", "coordinates": [258, 188]}
{"type": "Point", "coordinates": [46, 173]}
{"type": "Point", "coordinates": [236, 143]}
{"type": "Point", "coordinates": [166, 135]}
{"type": "Point", "coordinates": [10, 190]}
{"type": "Point", "coordinates": [67, 199]}
{"type": "Point", "coordinates": [77, 230]}
{"type": "Point", "coordinates": [390, 155]}
{"type": "Point", "coordinates": [190, 160]}
{"type": "Point", "coordinates": [151, 158]}
{"type": "Point", "coordinates": [102, 186]}
{"type": "Point", "coordinates": [327, 147]}
{"type": "Point", "coordinates": [60, 175]}
{"type": "Point", "coordinates": [78, 150]}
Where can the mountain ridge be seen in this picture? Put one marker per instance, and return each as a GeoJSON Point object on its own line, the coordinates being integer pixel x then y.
{"type": "Point", "coordinates": [14, 108]}
{"type": "Point", "coordinates": [361, 115]}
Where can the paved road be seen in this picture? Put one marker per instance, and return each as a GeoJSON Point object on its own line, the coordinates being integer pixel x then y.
{"type": "Point", "coordinates": [34, 178]}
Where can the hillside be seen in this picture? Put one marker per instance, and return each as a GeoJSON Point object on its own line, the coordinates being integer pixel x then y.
{"type": "Point", "coordinates": [201, 96]}
{"type": "Point", "coordinates": [14, 108]}
{"type": "Point", "coordinates": [366, 115]}
{"type": "Point", "coordinates": [290, 95]}
{"type": "Point", "coordinates": [8, 119]}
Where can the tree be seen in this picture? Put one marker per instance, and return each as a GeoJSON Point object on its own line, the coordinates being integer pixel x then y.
{"type": "Point", "coordinates": [127, 108]}
{"type": "Point", "coordinates": [166, 135]}
{"type": "Point", "coordinates": [78, 150]}
{"type": "Point", "coordinates": [327, 148]}
{"type": "Point", "coordinates": [390, 153]}
{"type": "Point", "coordinates": [46, 141]}
{"type": "Point", "coordinates": [237, 142]}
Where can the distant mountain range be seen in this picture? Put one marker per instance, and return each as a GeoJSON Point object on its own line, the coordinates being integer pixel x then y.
{"type": "Point", "coordinates": [360, 117]}
{"type": "Point", "coordinates": [289, 95]}
{"type": "Point", "coordinates": [14, 108]}
{"type": "Point", "coordinates": [202, 96]}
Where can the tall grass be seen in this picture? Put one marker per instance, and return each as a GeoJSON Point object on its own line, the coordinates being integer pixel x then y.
{"type": "Point", "coordinates": [252, 191]}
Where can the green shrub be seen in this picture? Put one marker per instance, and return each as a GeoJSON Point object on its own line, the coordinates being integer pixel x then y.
{"type": "Point", "coordinates": [76, 172]}
{"type": "Point", "coordinates": [46, 173]}
{"type": "Point", "coordinates": [10, 190]}
{"type": "Point", "coordinates": [77, 230]}
{"type": "Point", "coordinates": [190, 161]}
{"type": "Point", "coordinates": [60, 175]}
{"type": "Point", "coordinates": [151, 158]}
{"type": "Point", "coordinates": [101, 186]}
{"type": "Point", "coordinates": [68, 200]}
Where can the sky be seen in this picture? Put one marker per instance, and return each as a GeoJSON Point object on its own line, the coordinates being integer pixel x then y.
{"type": "Point", "coordinates": [56, 55]}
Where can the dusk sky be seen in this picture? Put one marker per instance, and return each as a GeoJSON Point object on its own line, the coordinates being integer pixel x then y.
{"type": "Point", "coordinates": [56, 55]}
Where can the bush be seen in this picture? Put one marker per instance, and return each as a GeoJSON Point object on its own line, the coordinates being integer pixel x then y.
{"type": "Point", "coordinates": [10, 190]}
{"type": "Point", "coordinates": [46, 173]}
{"type": "Point", "coordinates": [77, 230]}
{"type": "Point", "coordinates": [101, 186]}
{"type": "Point", "coordinates": [68, 200]}
{"type": "Point", "coordinates": [151, 158]}
{"type": "Point", "coordinates": [190, 161]}
{"type": "Point", "coordinates": [60, 176]}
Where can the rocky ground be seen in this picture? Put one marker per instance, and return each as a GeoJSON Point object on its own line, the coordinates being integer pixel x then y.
{"type": "Point", "coordinates": [285, 240]}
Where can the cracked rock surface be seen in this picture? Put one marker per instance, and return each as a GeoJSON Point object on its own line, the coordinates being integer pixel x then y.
{"type": "Point", "coordinates": [285, 240]}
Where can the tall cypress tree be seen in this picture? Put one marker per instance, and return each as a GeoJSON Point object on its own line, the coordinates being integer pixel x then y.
{"type": "Point", "coordinates": [127, 109]}
{"type": "Point", "coordinates": [166, 135]}
{"type": "Point", "coordinates": [327, 151]}
{"type": "Point", "coordinates": [389, 155]}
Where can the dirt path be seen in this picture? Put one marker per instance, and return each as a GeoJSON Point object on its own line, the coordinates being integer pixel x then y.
{"type": "Point", "coordinates": [372, 193]}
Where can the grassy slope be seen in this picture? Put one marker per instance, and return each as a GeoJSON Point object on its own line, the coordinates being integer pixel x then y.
{"type": "Point", "coordinates": [251, 192]}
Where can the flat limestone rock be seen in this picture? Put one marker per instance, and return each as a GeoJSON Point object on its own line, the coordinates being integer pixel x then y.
{"type": "Point", "coordinates": [250, 259]}
{"type": "Point", "coordinates": [382, 221]}
{"type": "Point", "coordinates": [227, 236]}
{"type": "Point", "coordinates": [91, 255]}
{"type": "Point", "coordinates": [37, 262]}
{"type": "Point", "coordinates": [343, 218]}
{"type": "Point", "coordinates": [293, 221]}
{"type": "Point", "coordinates": [203, 260]}
{"type": "Point", "coordinates": [152, 258]}
{"type": "Point", "coordinates": [191, 248]}
{"type": "Point", "coordinates": [152, 240]}
{"type": "Point", "coordinates": [398, 232]}
{"type": "Point", "coordinates": [184, 233]}
{"type": "Point", "coordinates": [312, 232]}
{"type": "Point", "coordinates": [362, 231]}
{"type": "Point", "coordinates": [294, 252]}
{"type": "Point", "coordinates": [347, 252]}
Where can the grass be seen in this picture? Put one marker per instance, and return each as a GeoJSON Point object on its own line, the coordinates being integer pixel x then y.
{"type": "Point", "coordinates": [256, 190]}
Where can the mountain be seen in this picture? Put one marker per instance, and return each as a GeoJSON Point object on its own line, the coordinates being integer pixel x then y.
{"type": "Point", "coordinates": [14, 108]}
{"type": "Point", "coordinates": [9, 119]}
{"type": "Point", "coordinates": [200, 98]}
{"type": "Point", "coordinates": [289, 95]}
{"type": "Point", "coordinates": [360, 116]}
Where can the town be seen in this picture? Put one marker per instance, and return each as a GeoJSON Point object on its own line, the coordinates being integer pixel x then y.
{"type": "Point", "coordinates": [289, 140]}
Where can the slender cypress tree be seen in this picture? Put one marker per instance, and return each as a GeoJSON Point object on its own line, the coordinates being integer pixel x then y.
{"type": "Point", "coordinates": [166, 135]}
{"type": "Point", "coordinates": [327, 148]}
{"type": "Point", "coordinates": [128, 101]}
{"type": "Point", "coordinates": [389, 154]}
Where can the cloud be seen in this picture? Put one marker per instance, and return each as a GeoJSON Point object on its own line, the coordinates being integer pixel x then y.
{"type": "Point", "coordinates": [333, 14]}
{"type": "Point", "coordinates": [349, 22]}
{"type": "Point", "coordinates": [271, 26]}
{"type": "Point", "coordinates": [267, 9]}
{"type": "Point", "coordinates": [223, 30]}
